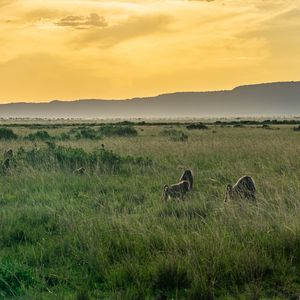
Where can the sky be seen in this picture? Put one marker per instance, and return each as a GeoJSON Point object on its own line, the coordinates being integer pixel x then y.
{"type": "Point", "coordinates": [83, 49]}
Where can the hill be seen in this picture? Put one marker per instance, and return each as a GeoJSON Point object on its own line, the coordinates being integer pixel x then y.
{"type": "Point", "coordinates": [268, 99]}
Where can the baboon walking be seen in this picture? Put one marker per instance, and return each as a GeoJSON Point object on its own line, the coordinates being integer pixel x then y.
{"type": "Point", "coordinates": [244, 188]}
{"type": "Point", "coordinates": [8, 154]}
{"type": "Point", "coordinates": [79, 171]}
{"type": "Point", "coordinates": [6, 163]}
{"type": "Point", "coordinates": [188, 175]}
{"type": "Point", "coordinates": [177, 190]}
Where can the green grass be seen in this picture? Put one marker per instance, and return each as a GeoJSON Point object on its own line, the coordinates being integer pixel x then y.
{"type": "Point", "coordinates": [109, 235]}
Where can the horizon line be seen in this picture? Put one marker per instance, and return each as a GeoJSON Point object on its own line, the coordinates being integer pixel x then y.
{"type": "Point", "coordinates": [153, 96]}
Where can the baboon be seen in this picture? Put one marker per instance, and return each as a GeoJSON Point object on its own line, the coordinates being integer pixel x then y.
{"type": "Point", "coordinates": [79, 171]}
{"type": "Point", "coordinates": [244, 188]}
{"type": "Point", "coordinates": [188, 175]}
{"type": "Point", "coordinates": [8, 154]}
{"type": "Point", "coordinates": [6, 163]}
{"type": "Point", "coordinates": [177, 190]}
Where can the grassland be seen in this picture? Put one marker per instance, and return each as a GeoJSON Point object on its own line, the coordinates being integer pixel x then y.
{"type": "Point", "coordinates": [109, 235]}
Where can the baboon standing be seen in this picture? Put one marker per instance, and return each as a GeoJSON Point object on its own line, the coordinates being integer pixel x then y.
{"type": "Point", "coordinates": [8, 154]}
{"type": "Point", "coordinates": [188, 175]}
{"type": "Point", "coordinates": [6, 163]}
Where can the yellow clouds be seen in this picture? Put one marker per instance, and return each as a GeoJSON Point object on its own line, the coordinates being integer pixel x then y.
{"type": "Point", "coordinates": [118, 49]}
{"type": "Point", "coordinates": [81, 22]}
{"type": "Point", "coordinates": [133, 27]}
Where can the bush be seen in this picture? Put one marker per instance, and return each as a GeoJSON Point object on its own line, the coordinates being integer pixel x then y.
{"type": "Point", "coordinates": [63, 137]}
{"type": "Point", "coordinates": [297, 128]}
{"type": "Point", "coordinates": [83, 132]}
{"type": "Point", "coordinates": [141, 123]}
{"type": "Point", "coordinates": [128, 123]}
{"type": "Point", "coordinates": [7, 134]}
{"type": "Point", "coordinates": [118, 130]}
{"type": "Point", "coordinates": [266, 126]}
{"type": "Point", "coordinates": [41, 135]}
{"type": "Point", "coordinates": [196, 126]}
{"type": "Point", "coordinates": [71, 158]}
{"type": "Point", "coordinates": [88, 133]}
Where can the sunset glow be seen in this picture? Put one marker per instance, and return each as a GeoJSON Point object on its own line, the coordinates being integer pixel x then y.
{"type": "Point", "coordinates": [121, 49]}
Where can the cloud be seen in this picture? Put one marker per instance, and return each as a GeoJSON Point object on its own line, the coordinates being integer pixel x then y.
{"type": "Point", "coordinates": [142, 47]}
{"type": "Point", "coordinates": [133, 27]}
{"type": "Point", "coordinates": [6, 2]}
{"type": "Point", "coordinates": [82, 22]}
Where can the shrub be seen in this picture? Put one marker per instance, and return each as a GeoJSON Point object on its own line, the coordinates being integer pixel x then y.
{"type": "Point", "coordinates": [70, 158]}
{"type": "Point", "coordinates": [297, 128]}
{"type": "Point", "coordinates": [128, 123]}
{"type": "Point", "coordinates": [142, 123]}
{"type": "Point", "coordinates": [40, 135]}
{"type": "Point", "coordinates": [63, 137]}
{"type": "Point", "coordinates": [117, 130]}
{"type": "Point", "coordinates": [266, 126]}
{"type": "Point", "coordinates": [196, 126]}
{"type": "Point", "coordinates": [83, 132]}
{"type": "Point", "coordinates": [7, 134]}
{"type": "Point", "coordinates": [88, 133]}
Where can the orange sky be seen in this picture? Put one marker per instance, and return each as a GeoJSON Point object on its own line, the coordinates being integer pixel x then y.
{"type": "Point", "coordinates": [118, 49]}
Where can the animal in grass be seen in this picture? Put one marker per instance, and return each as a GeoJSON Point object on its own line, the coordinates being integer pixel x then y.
{"type": "Point", "coordinates": [177, 190]}
{"type": "Point", "coordinates": [244, 188]}
{"type": "Point", "coordinates": [6, 163]}
{"type": "Point", "coordinates": [79, 171]}
{"type": "Point", "coordinates": [5, 166]}
{"type": "Point", "coordinates": [8, 154]}
{"type": "Point", "coordinates": [188, 175]}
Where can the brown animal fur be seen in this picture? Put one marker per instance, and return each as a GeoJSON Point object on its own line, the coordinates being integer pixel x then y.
{"type": "Point", "coordinates": [188, 175]}
{"type": "Point", "coordinates": [244, 188]}
{"type": "Point", "coordinates": [177, 190]}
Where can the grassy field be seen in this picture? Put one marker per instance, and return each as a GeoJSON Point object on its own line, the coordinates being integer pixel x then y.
{"type": "Point", "coordinates": [109, 235]}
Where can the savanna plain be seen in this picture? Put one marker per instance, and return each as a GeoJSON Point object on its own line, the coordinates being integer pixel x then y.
{"type": "Point", "coordinates": [108, 234]}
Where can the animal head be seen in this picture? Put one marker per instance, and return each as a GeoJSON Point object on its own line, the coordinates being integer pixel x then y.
{"type": "Point", "coordinates": [187, 174]}
{"type": "Point", "coordinates": [228, 192]}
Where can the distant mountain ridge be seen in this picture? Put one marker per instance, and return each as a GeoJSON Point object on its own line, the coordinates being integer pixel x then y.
{"type": "Point", "coordinates": [267, 99]}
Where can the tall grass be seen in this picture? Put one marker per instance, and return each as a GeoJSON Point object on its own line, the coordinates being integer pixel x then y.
{"type": "Point", "coordinates": [109, 235]}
